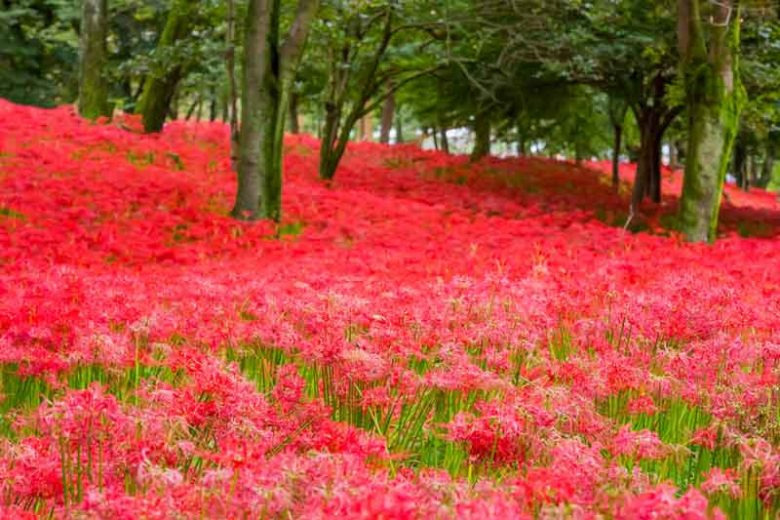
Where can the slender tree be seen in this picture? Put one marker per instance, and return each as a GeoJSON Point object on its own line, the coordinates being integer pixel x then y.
{"type": "Point", "coordinates": [388, 112]}
{"type": "Point", "coordinates": [269, 70]}
{"type": "Point", "coordinates": [93, 88]}
{"type": "Point", "coordinates": [709, 52]}
{"type": "Point", "coordinates": [481, 136]}
{"type": "Point", "coordinates": [232, 94]}
{"type": "Point", "coordinates": [617, 115]}
{"type": "Point", "coordinates": [160, 84]}
{"type": "Point", "coordinates": [367, 62]}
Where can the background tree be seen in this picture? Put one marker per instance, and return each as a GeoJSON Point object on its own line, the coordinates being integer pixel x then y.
{"type": "Point", "coordinates": [369, 54]}
{"type": "Point", "coordinates": [39, 54]}
{"type": "Point", "coordinates": [270, 66]}
{"type": "Point", "coordinates": [93, 90]}
{"type": "Point", "coordinates": [160, 84]}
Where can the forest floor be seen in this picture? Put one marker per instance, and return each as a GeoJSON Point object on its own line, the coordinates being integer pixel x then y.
{"type": "Point", "coordinates": [423, 338]}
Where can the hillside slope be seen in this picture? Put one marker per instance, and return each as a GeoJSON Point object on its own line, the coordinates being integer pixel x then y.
{"type": "Point", "coordinates": [422, 338]}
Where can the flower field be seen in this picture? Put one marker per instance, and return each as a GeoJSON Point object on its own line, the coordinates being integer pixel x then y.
{"type": "Point", "coordinates": [424, 338]}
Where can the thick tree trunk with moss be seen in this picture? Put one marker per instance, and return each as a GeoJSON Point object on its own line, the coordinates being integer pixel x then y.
{"type": "Point", "coordinates": [714, 98]}
{"type": "Point", "coordinates": [93, 88]}
{"type": "Point", "coordinates": [268, 72]}
{"type": "Point", "coordinates": [160, 85]}
{"type": "Point", "coordinates": [481, 137]}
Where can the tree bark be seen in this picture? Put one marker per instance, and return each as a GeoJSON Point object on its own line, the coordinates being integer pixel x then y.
{"type": "Point", "coordinates": [740, 163]}
{"type": "Point", "coordinates": [366, 128]}
{"type": "Point", "coordinates": [767, 166]}
{"type": "Point", "coordinates": [212, 105]}
{"type": "Point", "coordinates": [293, 114]}
{"type": "Point", "coordinates": [191, 110]}
{"type": "Point", "coordinates": [336, 132]}
{"type": "Point", "coordinates": [647, 181]}
{"type": "Point", "coordinates": [618, 135]}
{"type": "Point", "coordinates": [268, 72]}
{"type": "Point", "coordinates": [399, 129]}
{"type": "Point", "coordinates": [160, 85]}
{"type": "Point", "coordinates": [481, 137]}
{"type": "Point", "coordinates": [231, 105]}
{"type": "Point", "coordinates": [93, 88]}
{"type": "Point", "coordinates": [388, 112]}
{"type": "Point", "coordinates": [654, 189]}
{"type": "Point", "coordinates": [617, 107]}
{"type": "Point", "coordinates": [445, 144]}
{"type": "Point", "coordinates": [714, 98]}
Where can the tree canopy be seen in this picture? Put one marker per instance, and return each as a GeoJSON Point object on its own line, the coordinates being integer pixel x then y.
{"type": "Point", "coordinates": [563, 78]}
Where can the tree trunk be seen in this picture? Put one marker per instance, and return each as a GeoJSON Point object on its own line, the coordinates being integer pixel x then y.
{"type": "Point", "coordinates": [388, 111]}
{"type": "Point", "coordinates": [481, 137]}
{"type": "Point", "coordinates": [160, 85]}
{"type": "Point", "coordinates": [93, 88]}
{"type": "Point", "coordinates": [740, 163]}
{"type": "Point", "coordinates": [617, 107]}
{"type": "Point", "coordinates": [330, 132]}
{"type": "Point", "coordinates": [231, 106]}
{"type": "Point", "coordinates": [714, 98]}
{"type": "Point", "coordinates": [618, 135]}
{"type": "Point", "coordinates": [336, 132]}
{"type": "Point", "coordinates": [521, 141]}
{"type": "Point", "coordinates": [191, 110]}
{"type": "Point", "coordinates": [673, 158]}
{"type": "Point", "coordinates": [366, 128]}
{"type": "Point", "coordinates": [753, 170]}
{"type": "Point", "coordinates": [213, 105]}
{"type": "Point", "coordinates": [199, 112]}
{"type": "Point", "coordinates": [399, 129]}
{"type": "Point", "coordinates": [268, 72]}
{"type": "Point", "coordinates": [445, 144]}
{"type": "Point", "coordinates": [654, 189]}
{"type": "Point", "coordinates": [647, 178]}
{"type": "Point", "coordinates": [435, 136]}
{"type": "Point", "coordinates": [293, 114]}
{"type": "Point", "coordinates": [767, 166]}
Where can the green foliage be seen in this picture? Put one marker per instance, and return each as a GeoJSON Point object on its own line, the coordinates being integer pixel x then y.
{"type": "Point", "coordinates": [39, 51]}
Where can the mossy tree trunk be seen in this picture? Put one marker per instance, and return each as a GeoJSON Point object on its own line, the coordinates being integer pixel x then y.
{"type": "Point", "coordinates": [93, 88]}
{"type": "Point", "coordinates": [161, 82]}
{"type": "Point", "coordinates": [268, 72]}
{"type": "Point", "coordinates": [481, 136]}
{"type": "Point", "coordinates": [709, 52]}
